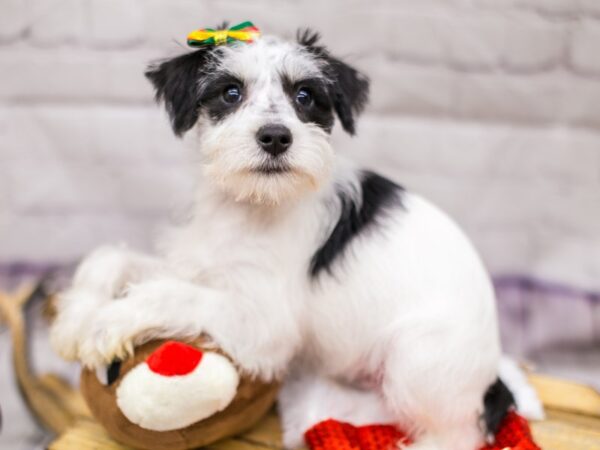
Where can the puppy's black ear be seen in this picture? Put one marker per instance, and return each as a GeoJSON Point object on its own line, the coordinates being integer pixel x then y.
{"type": "Point", "coordinates": [176, 83]}
{"type": "Point", "coordinates": [349, 90]}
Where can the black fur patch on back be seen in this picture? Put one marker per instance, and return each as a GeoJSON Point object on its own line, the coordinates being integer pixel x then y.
{"type": "Point", "coordinates": [497, 402]}
{"type": "Point", "coordinates": [377, 195]}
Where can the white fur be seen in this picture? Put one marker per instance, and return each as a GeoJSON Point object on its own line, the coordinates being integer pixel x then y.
{"type": "Point", "coordinates": [526, 398]}
{"type": "Point", "coordinates": [407, 315]}
{"type": "Point", "coordinates": [161, 403]}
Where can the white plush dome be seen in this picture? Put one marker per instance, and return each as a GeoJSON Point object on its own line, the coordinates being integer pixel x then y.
{"type": "Point", "coordinates": [159, 402]}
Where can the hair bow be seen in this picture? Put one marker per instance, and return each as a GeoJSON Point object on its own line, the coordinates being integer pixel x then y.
{"type": "Point", "coordinates": [243, 32]}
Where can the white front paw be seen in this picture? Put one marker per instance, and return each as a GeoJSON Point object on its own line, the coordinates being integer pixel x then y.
{"type": "Point", "coordinates": [110, 336]}
{"type": "Point", "coordinates": [63, 339]}
{"type": "Point", "coordinates": [146, 312]}
{"type": "Point", "coordinates": [74, 309]}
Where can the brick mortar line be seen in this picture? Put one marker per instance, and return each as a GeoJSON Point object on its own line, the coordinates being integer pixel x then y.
{"type": "Point", "coordinates": [159, 213]}
{"type": "Point", "coordinates": [407, 115]}
{"type": "Point", "coordinates": [503, 67]}
{"type": "Point", "coordinates": [482, 122]}
{"type": "Point", "coordinates": [564, 16]}
{"type": "Point", "coordinates": [90, 102]}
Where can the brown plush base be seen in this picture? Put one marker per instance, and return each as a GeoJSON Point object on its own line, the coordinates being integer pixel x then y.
{"type": "Point", "coordinates": [252, 402]}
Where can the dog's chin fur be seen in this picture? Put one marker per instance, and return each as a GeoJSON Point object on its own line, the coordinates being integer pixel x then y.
{"type": "Point", "coordinates": [264, 188]}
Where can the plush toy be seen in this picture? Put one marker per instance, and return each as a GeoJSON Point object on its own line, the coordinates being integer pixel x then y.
{"type": "Point", "coordinates": [175, 395]}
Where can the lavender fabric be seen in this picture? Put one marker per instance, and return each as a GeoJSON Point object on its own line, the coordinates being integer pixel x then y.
{"type": "Point", "coordinates": [555, 327]}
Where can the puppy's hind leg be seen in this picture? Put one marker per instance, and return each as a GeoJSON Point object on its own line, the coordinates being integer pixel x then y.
{"type": "Point", "coordinates": [435, 387]}
{"type": "Point", "coordinates": [307, 398]}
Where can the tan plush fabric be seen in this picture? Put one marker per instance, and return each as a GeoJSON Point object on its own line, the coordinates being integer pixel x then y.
{"type": "Point", "coordinates": [253, 400]}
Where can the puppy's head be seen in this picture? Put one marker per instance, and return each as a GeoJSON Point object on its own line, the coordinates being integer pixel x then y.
{"type": "Point", "coordinates": [263, 112]}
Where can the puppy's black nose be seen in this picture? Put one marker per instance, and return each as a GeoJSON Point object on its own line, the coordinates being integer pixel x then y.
{"type": "Point", "coordinates": [274, 139]}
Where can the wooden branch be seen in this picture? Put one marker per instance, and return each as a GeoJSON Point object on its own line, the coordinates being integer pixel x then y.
{"type": "Point", "coordinates": [50, 398]}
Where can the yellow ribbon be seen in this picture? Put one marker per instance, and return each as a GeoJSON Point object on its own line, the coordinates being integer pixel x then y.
{"type": "Point", "coordinates": [245, 32]}
{"type": "Point", "coordinates": [221, 37]}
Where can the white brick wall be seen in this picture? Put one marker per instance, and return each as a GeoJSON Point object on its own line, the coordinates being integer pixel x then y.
{"type": "Point", "coordinates": [489, 107]}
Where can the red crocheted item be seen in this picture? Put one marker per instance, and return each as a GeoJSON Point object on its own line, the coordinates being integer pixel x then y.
{"type": "Point", "coordinates": [514, 434]}
{"type": "Point", "coordinates": [333, 435]}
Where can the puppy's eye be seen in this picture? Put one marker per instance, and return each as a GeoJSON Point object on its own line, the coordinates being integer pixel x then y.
{"type": "Point", "coordinates": [232, 94]}
{"type": "Point", "coordinates": [304, 97]}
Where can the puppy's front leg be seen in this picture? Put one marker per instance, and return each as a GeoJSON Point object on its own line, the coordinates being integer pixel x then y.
{"type": "Point", "coordinates": [108, 269]}
{"type": "Point", "coordinates": [100, 278]}
{"type": "Point", "coordinates": [261, 341]}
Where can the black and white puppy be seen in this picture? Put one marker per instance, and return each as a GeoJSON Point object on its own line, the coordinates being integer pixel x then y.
{"type": "Point", "coordinates": [370, 299]}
